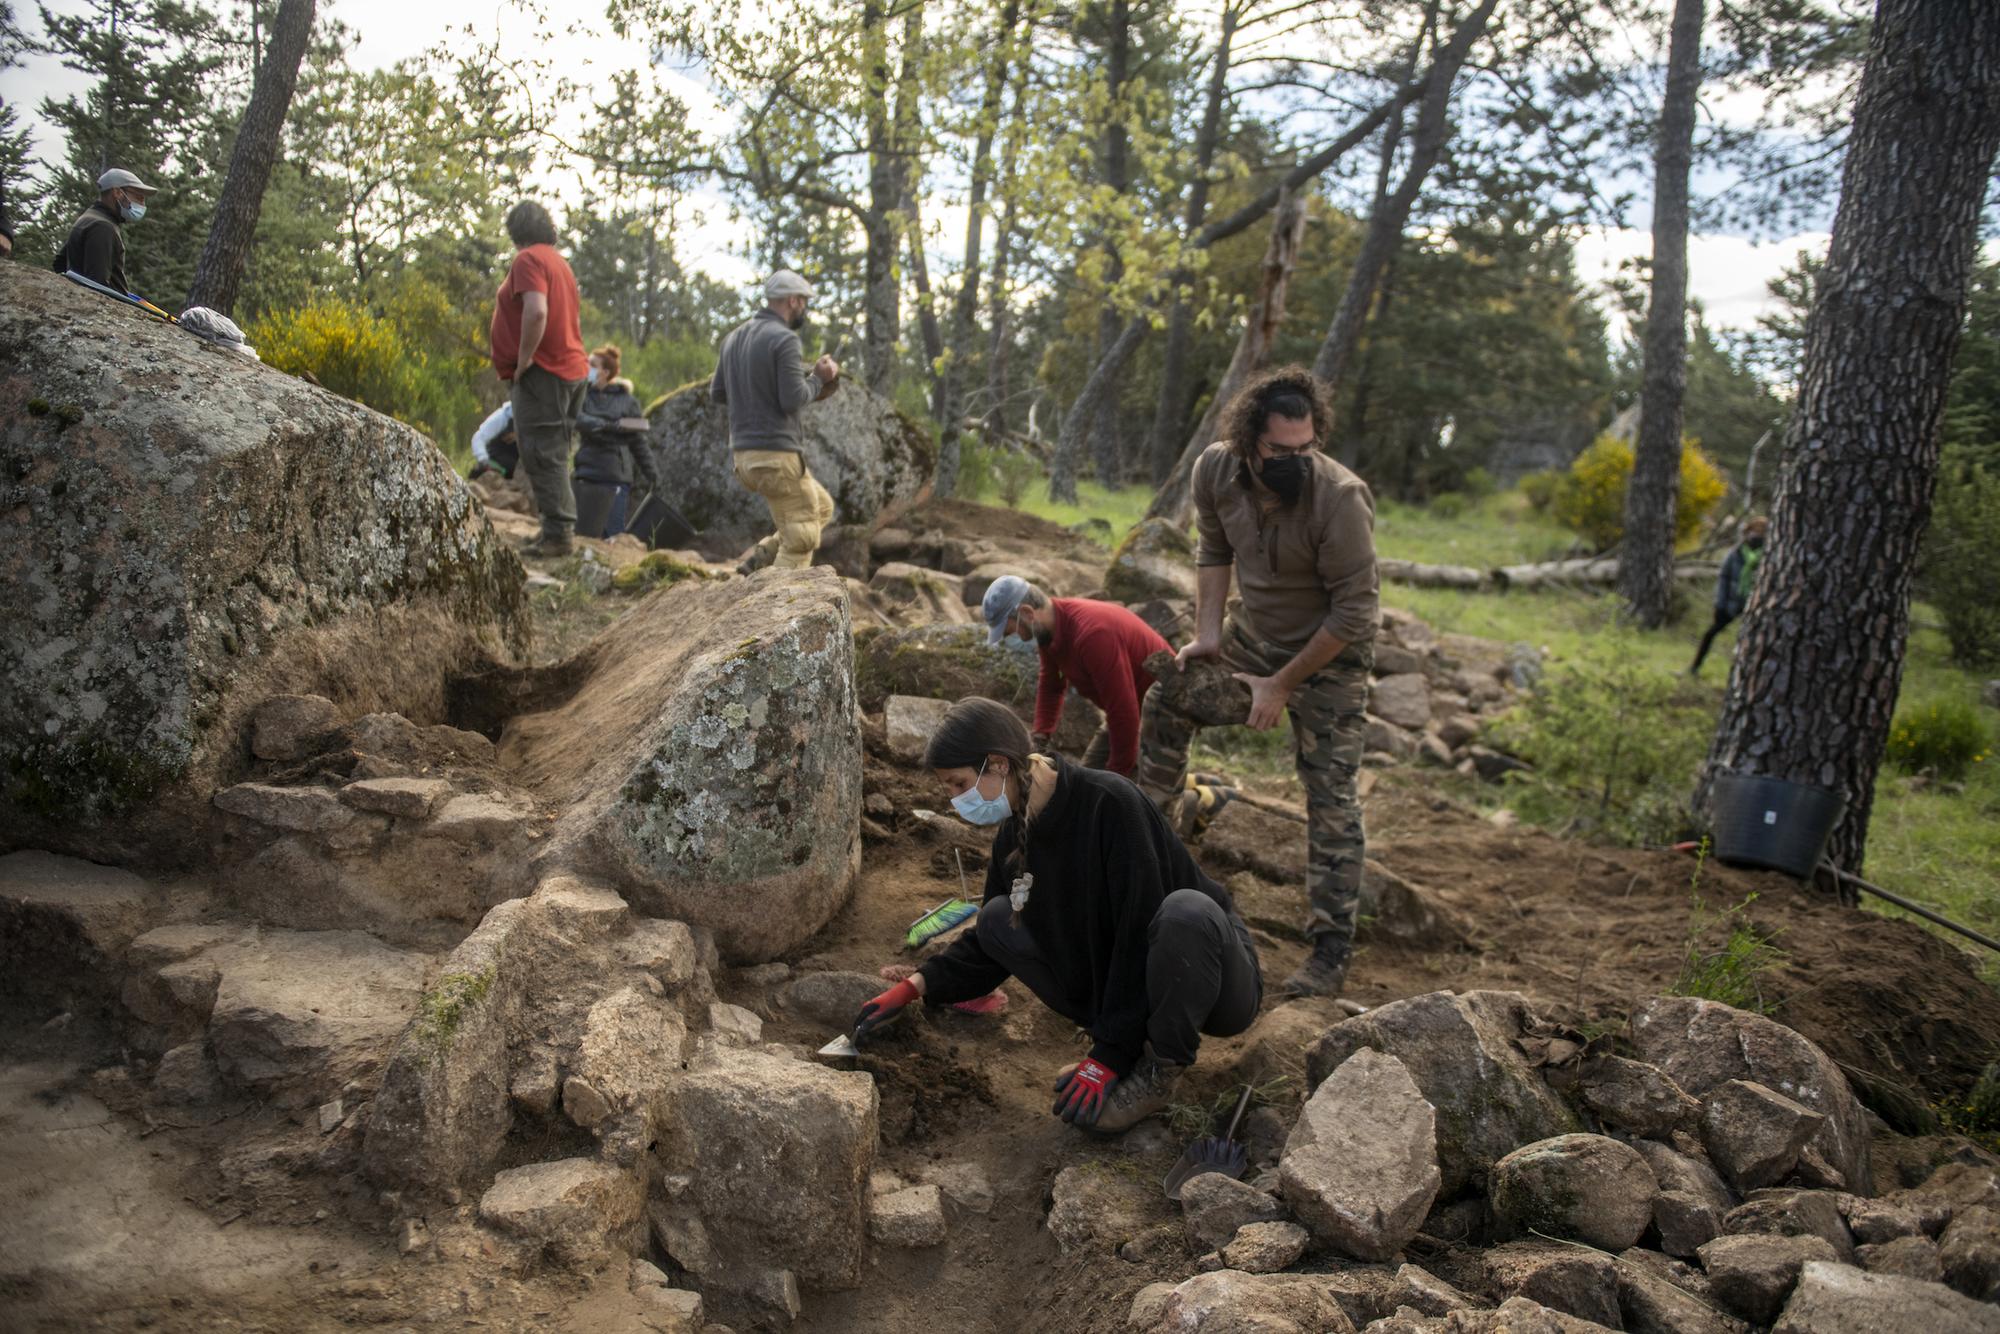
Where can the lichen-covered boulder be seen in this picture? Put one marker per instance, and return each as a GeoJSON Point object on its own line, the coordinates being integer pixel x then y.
{"type": "Point", "coordinates": [185, 532]}
{"type": "Point", "coordinates": [872, 458]}
{"type": "Point", "coordinates": [706, 755]}
{"type": "Point", "coordinates": [1156, 560]}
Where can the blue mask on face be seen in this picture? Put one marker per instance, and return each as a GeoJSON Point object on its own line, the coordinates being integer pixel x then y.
{"type": "Point", "coordinates": [976, 809]}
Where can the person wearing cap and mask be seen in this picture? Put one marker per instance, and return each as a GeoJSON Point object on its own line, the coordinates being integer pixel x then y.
{"type": "Point", "coordinates": [760, 376]}
{"type": "Point", "coordinates": [1733, 584]}
{"type": "Point", "coordinates": [96, 245]}
{"type": "Point", "coordinates": [1298, 531]}
{"type": "Point", "coordinates": [1099, 647]}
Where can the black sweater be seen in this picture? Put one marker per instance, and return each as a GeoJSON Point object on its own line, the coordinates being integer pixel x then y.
{"type": "Point", "coordinates": [1103, 860]}
{"type": "Point", "coordinates": [607, 453]}
{"type": "Point", "coordinates": [96, 249]}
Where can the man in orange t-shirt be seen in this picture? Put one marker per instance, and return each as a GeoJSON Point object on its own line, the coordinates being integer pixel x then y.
{"type": "Point", "coordinates": [537, 340]}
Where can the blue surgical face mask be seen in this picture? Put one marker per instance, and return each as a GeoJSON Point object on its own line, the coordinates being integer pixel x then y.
{"type": "Point", "coordinates": [977, 809]}
{"type": "Point", "coordinates": [131, 212]}
{"type": "Point", "coordinates": [592, 376]}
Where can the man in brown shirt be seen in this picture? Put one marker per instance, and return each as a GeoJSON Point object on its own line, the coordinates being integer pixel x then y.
{"type": "Point", "coordinates": [1298, 531]}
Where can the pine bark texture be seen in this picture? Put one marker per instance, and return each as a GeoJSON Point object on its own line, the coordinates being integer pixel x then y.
{"type": "Point", "coordinates": [1645, 579]}
{"type": "Point", "coordinates": [1820, 659]}
{"type": "Point", "coordinates": [219, 272]}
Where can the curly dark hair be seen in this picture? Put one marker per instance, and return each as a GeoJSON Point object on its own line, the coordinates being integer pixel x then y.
{"type": "Point", "coordinates": [528, 223]}
{"type": "Point", "coordinates": [1285, 391]}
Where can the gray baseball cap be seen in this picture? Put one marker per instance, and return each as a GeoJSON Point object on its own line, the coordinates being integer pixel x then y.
{"type": "Point", "coordinates": [785, 283]}
{"type": "Point", "coordinates": [120, 179]}
{"type": "Point", "coordinates": [1003, 597]}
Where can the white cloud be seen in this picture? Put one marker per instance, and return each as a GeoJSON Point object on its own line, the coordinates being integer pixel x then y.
{"type": "Point", "coordinates": [1726, 274]}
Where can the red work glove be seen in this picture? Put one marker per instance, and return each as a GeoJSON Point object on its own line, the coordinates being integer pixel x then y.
{"type": "Point", "coordinates": [1081, 1094]}
{"type": "Point", "coordinates": [883, 1008]}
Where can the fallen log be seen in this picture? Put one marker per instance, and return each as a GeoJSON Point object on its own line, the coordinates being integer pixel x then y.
{"type": "Point", "coordinates": [1431, 576]}
{"type": "Point", "coordinates": [1591, 572]}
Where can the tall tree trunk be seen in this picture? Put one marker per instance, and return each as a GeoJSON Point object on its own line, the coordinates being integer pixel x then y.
{"type": "Point", "coordinates": [1106, 437]}
{"type": "Point", "coordinates": [920, 275]}
{"type": "Point", "coordinates": [1174, 502]}
{"type": "Point", "coordinates": [1646, 567]}
{"type": "Point", "coordinates": [881, 295]}
{"type": "Point", "coordinates": [945, 402]}
{"type": "Point", "coordinates": [999, 338]}
{"type": "Point", "coordinates": [1386, 223]}
{"type": "Point", "coordinates": [1820, 659]}
{"type": "Point", "coordinates": [1082, 413]}
{"type": "Point", "coordinates": [1176, 390]}
{"type": "Point", "coordinates": [219, 271]}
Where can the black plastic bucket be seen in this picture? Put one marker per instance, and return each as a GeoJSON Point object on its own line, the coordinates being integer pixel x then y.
{"type": "Point", "coordinates": [659, 524]}
{"type": "Point", "coordinates": [1771, 824]}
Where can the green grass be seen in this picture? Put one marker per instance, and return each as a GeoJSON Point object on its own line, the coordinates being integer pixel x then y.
{"type": "Point", "coordinates": [1121, 508]}
{"type": "Point", "coordinates": [1498, 530]}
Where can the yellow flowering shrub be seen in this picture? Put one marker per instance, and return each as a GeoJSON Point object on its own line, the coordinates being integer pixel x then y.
{"type": "Point", "coordinates": [1590, 497]}
{"type": "Point", "coordinates": [1944, 737]}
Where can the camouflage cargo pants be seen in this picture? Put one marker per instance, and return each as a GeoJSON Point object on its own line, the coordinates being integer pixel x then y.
{"type": "Point", "coordinates": [1327, 736]}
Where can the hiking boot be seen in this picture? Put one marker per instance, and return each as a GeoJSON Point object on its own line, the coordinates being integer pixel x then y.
{"type": "Point", "coordinates": [1324, 972]}
{"type": "Point", "coordinates": [550, 546]}
{"type": "Point", "coordinates": [1147, 1091]}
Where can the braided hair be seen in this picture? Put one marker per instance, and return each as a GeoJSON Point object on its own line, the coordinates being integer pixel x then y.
{"type": "Point", "coordinates": [974, 728]}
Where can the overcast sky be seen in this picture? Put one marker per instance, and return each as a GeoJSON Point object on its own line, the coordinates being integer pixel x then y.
{"type": "Point", "coordinates": [1727, 273]}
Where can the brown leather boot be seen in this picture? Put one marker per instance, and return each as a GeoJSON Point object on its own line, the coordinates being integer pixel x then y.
{"type": "Point", "coordinates": [1147, 1091]}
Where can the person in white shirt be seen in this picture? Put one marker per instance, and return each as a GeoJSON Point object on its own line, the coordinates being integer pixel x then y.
{"type": "Point", "coordinates": [494, 448]}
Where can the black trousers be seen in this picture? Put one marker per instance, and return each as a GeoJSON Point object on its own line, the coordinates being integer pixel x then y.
{"type": "Point", "coordinates": [1722, 618]}
{"type": "Point", "coordinates": [1202, 974]}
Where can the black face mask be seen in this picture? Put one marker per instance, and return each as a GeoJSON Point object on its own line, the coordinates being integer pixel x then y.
{"type": "Point", "coordinates": [1285, 475]}
{"type": "Point", "coordinates": [1754, 543]}
{"type": "Point", "coordinates": [797, 321]}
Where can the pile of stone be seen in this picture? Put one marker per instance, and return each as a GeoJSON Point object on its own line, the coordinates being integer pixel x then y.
{"type": "Point", "coordinates": [1718, 1179]}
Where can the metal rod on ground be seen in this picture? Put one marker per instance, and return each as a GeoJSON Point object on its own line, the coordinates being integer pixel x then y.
{"type": "Point", "coordinates": [1917, 908]}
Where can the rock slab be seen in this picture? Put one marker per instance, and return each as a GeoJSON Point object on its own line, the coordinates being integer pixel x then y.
{"type": "Point", "coordinates": [1360, 1167]}
{"type": "Point", "coordinates": [1587, 1188]}
{"type": "Point", "coordinates": [1840, 1299]}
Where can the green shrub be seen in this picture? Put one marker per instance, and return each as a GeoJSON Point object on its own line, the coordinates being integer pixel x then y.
{"type": "Point", "coordinates": [1726, 957]}
{"type": "Point", "coordinates": [1478, 483]}
{"type": "Point", "coordinates": [1978, 1116]}
{"type": "Point", "coordinates": [1013, 474]}
{"type": "Point", "coordinates": [1540, 488]}
{"type": "Point", "coordinates": [1960, 556]}
{"type": "Point", "coordinates": [1614, 746]}
{"type": "Point", "coordinates": [1590, 497]}
{"type": "Point", "coordinates": [975, 469]}
{"type": "Point", "coordinates": [1944, 737]}
{"type": "Point", "coordinates": [1448, 505]}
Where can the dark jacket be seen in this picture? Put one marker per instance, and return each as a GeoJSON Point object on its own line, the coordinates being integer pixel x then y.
{"type": "Point", "coordinates": [605, 453]}
{"type": "Point", "coordinates": [1733, 583]}
{"type": "Point", "coordinates": [1103, 860]}
{"type": "Point", "coordinates": [96, 248]}
{"type": "Point", "coordinates": [762, 377]}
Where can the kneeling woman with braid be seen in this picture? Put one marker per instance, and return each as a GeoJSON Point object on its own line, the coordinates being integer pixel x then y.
{"type": "Point", "coordinates": [1095, 905]}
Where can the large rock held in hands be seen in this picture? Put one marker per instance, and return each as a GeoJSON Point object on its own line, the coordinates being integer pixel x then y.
{"type": "Point", "coordinates": [187, 532]}
{"type": "Point", "coordinates": [706, 756]}
{"type": "Point", "coordinates": [869, 455]}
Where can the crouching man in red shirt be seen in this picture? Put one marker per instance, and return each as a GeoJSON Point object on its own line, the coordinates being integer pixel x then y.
{"type": "Point", "coordinates": [1098, 647]}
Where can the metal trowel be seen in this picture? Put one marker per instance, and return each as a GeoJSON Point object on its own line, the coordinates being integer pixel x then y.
{"type": "Point", "coordinates": [842, 1046]}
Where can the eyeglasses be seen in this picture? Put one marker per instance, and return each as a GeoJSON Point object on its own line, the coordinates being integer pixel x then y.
{"type": "Point", "coordinates": [1289, 449]}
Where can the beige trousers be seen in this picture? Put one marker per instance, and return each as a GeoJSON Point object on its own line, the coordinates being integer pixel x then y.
{"type": "Point", "coordinates": [799, 505]}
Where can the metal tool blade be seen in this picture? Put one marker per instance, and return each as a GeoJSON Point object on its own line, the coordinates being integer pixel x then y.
{"type": "Point", "coordinates": [840, 1046]}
